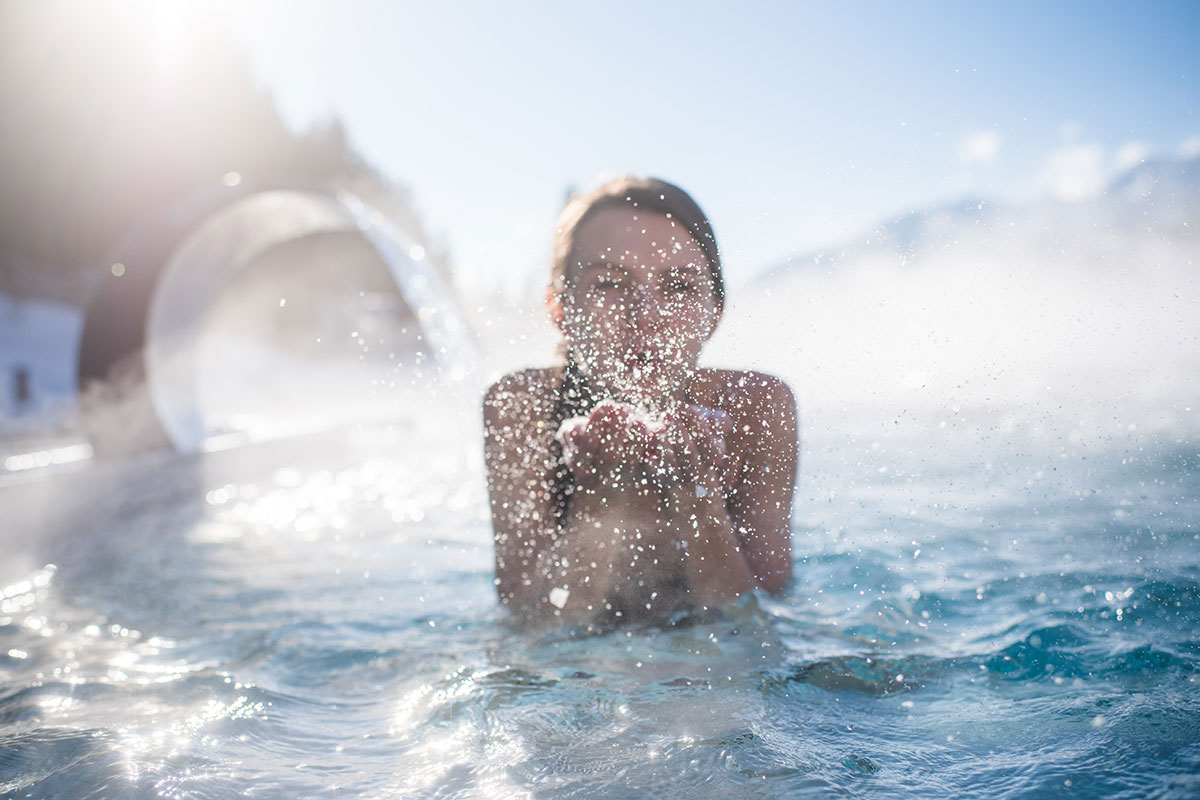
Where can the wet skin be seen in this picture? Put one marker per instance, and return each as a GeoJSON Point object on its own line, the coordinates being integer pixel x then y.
{"type": "Point", "coordinates": [694, 514]}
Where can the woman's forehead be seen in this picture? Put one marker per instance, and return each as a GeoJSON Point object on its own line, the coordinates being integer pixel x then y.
{"type": "Point", "coordinates": [639, 268]}
{"type": "Point", "coordinates": [621, 235]}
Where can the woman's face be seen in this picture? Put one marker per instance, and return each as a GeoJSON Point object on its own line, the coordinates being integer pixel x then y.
{"type": "Point", "coordinates": [639, 304]}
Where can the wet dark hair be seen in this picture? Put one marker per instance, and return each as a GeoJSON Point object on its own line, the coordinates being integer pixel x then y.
{"type": "Point", "coordinates": [574, 397]}
{"type": "Point", "coordinates": [645, 194]}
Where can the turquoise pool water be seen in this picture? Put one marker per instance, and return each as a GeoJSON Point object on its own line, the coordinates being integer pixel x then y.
{"type": "Point", "coordinates": [986, 609]}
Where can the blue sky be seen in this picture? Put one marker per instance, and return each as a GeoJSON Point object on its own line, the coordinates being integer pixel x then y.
{"type": "Point", "coordinates": [794, 124]}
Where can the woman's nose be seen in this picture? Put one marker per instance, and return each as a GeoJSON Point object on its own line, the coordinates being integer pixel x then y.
{"type": "Point", "coordinates": [646, 305]}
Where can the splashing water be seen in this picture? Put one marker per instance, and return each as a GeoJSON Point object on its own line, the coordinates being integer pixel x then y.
{"type": "Point", "coordinates": [288, 312]}
{"type": "Point", "coordinates": [997, 589]}
{"type": "Point", "coordinates": [312, 616]}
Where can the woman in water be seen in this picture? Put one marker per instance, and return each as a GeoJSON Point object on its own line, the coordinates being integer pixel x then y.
{"type": "Point", "coordinates": [629, 482]}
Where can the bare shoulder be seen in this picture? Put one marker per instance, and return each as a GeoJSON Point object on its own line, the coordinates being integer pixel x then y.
{"type": "Point", "coordinates": [525, 394]}
{"type": "Point", "coordinates": [747, 394]}
{"type": "Point", "coordinates": [524, 382]}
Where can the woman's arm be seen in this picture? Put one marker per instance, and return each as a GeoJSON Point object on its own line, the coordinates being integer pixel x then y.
{"type": "Point", "coordinates": [519, 462]}
{"type": "Point", "coordinates": [736, 529]}
{"type": "Point", "coordinates": [609, 532]}
{"type": "Point", "coordinates": [600, 547]}
{"type": "Point", "coordinates": [717, 570]}
{"type": "Point", "coordinates": [733, 530]}
{"type": "Point", "coordinates": [761, 505]}
{"type": "Point", "coordinates": [569, 573]}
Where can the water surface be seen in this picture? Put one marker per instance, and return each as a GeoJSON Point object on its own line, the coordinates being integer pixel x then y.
{"type": "Point", "coordinates": [984, 608]}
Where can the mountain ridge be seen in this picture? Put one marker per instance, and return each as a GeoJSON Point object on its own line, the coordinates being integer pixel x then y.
{"type": "Point", "coordinates": [1159, 195]}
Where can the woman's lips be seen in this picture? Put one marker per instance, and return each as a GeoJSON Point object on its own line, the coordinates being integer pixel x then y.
{"type": "Point", "coordinates": [645, 369]}
{"type": "Point", "coordinates": [643, 357]}
{"type": "Point", "coordinates": [644, 366]}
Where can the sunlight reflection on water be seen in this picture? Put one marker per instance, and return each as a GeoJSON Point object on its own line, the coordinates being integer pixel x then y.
{"type": "Point", "coordinates": [323, 616]}
{"type": "Point", "coordinates": [996, 593]}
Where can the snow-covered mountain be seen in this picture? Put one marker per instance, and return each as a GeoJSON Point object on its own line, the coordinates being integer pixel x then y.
{"type": "Point", "coordinates": [1084, 310]}
{"type": "Point", "coordinates": [971, 304]}
{"type": "Point", "coordinates": [1156, 199]}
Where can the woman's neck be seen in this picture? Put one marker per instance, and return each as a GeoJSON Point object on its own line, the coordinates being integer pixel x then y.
{"type": "Point", "coordinates": [592, 391]}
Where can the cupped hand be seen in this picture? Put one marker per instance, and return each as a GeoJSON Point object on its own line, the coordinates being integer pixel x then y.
{"type": "Point", "coordinates": [697, 438]}
{"type": "Point", "coordinates": [613, 447]}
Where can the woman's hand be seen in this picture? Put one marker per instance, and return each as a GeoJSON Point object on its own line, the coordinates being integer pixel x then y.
{"type": "Point", "coordinates": [697, 450]}
{"type": "Point", "coordinates": [614, 449]}
{"type": "Point", "coordinates": [617, 449]}
{"type": "Point", "coordinates": [701, 526]}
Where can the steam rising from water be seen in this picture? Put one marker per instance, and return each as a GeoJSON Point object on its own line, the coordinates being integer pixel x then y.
{"type": "Point", "coordinates": [1062, 321]}
{"type": "Point", "coordinates": [1060, 332]}
{"type": "Point", "coordinates": [978, 556]}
